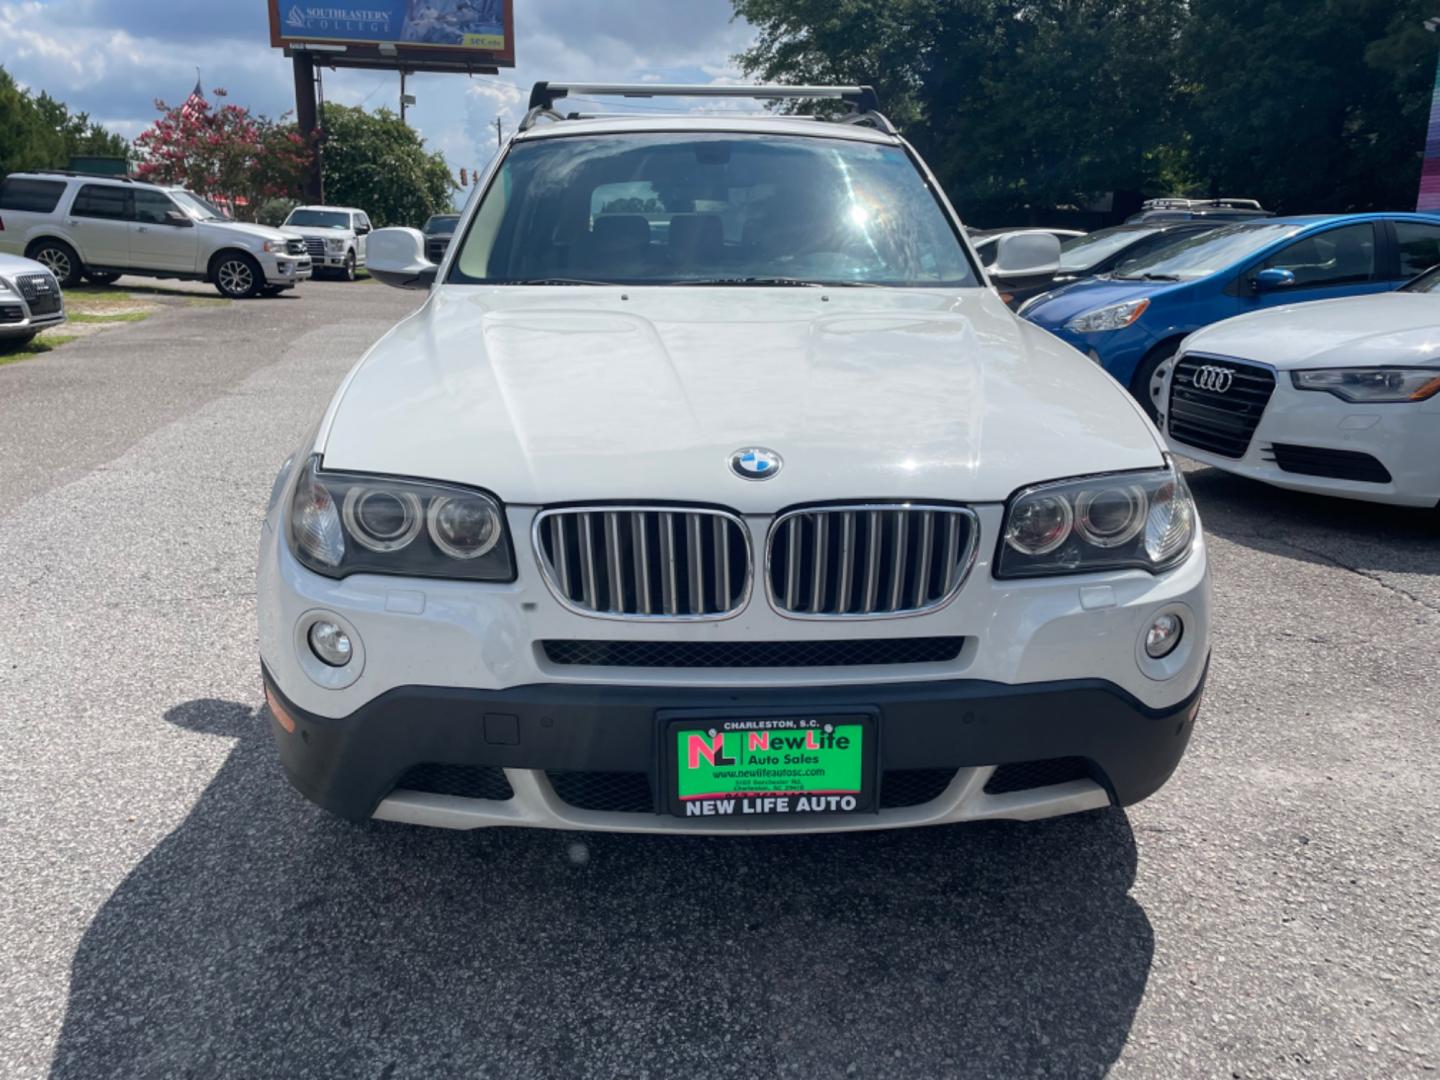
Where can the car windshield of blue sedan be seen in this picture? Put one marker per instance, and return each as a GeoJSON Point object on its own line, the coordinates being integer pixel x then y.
{"type": "Point", "coordinates": [1083, 252]}
{"type": "Point", "coordinates": [688, 209]}
{"type": "Point", "coordinates": [1200, 256]}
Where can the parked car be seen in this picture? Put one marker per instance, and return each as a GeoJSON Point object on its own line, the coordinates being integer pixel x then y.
{"type": "Point", "coordinates": [1340, 397]}
{"type": "Point", "coordinates": [1155, 210]}
{"type": "Point", "coordinates": [439, 228]}
{"type": "Point", "coordinates": [334, 237]}
{"type": "Point", "coordinates": [1132, 322]}
{"type": "Point", "coordinates": [99, 227]}
{"type": "Point", "coordinates": [772, 520]}
{"type": "Point", "coordinates": [30, 300]}
{"type": "Point", "coordinates": [1106, 250]}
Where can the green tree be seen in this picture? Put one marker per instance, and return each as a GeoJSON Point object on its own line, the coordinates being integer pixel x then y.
{"type": "Point", "coordinates": [1308, 105]}
{"type": "Point", "coordinates": [42, 133]}
{"type": "Point", "coordinates": [376, 162]}
{"type": "Point", "coordinates": [1018, 104]}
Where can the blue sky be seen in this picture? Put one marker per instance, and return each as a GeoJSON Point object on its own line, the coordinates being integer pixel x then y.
{"type": "Point", "coordinates": [113, 58]}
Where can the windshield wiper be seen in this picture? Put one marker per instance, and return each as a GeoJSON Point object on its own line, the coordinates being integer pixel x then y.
{"type": "Point", "coordinates": [1144, 277]}
{"type": "Point", "coordinates": [555, 281]}
{"type": "Point", "coordinates": [787, 282]}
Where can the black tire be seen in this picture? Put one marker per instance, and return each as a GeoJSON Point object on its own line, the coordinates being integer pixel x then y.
{"type": "Point", "coordinates": [101, 277]}
{"type": "Point", "coordinates": [1145, 384]}
{"type": "Point", "coordinates": [236, 276]}
{"type": "Point", "coordinates": [347, 269]}
{"type": "Point", "coordinates": [60, 259]}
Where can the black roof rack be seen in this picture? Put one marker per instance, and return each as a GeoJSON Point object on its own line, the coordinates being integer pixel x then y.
{"type": "Point", "coordinates": [863, 101]}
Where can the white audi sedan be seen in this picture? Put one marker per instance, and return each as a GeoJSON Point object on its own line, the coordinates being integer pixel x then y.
{"type": "Point", "coordinates": [1340, 397]}
{"type": "Point", "coordinates": [714, 489]}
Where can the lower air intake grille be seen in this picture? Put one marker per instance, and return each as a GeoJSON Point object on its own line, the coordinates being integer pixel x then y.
{"type": "Point", "coordinates": [631, 562]}
{"type": "Point", "coordinates": [753, 654]}
{"type": "Point", "coordinates": [913, 787]}
{"type": "Point", "coordinates": [467, 781]}
{"type": "Point", "coordinates": [12, 313]}
{"type": "Point", "coordinates": [868, 561]}
{"type": "Point", "coordinates": [1216, 405]}
{"type": "Point", "coordinates": [615, 792]}
{"type": "Point", "coordinates": [1026, 775]}
{"type": "Point", "coordinates": [1335, 464]}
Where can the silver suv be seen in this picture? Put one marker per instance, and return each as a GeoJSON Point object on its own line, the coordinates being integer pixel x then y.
{"type": "Point", "coordinates": [99, 227]}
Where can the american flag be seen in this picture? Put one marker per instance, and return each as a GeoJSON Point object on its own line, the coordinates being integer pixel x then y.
{"type": "Point", "coordinates": [195, 102]}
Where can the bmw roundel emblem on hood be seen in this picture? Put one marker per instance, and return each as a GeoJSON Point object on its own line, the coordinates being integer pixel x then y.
{"type": "Point", "coordinates": [755, 463]}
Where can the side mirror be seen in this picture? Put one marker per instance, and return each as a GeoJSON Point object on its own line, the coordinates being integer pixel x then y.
{"type": "Point", "coordinates": [397, 257]}
{"type": "Point", "coordinates": [1026, 255]}
{"type": "Point", "coordinates": [361, 230]}
{"type": "Point", "coordinates": [1273, 278]}
{"type": "Point", "coordinates": [179, 218]}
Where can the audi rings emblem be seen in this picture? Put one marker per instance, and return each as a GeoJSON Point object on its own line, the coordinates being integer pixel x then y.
{"type": "Point", "coordinates": [1217, 380]}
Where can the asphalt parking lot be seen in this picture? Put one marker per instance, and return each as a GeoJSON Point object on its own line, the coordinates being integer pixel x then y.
{"type": "Point", "coordinates": [172, 908]}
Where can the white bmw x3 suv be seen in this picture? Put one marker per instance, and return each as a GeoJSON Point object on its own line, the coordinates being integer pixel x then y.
{"type": "Point", "coordinates": [713, 489]}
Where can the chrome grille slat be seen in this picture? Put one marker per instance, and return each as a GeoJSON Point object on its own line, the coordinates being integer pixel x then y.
{"type": "Point", "coordinates": [645, 562]}
{"type": "Point", "coordinates": [875, 561]}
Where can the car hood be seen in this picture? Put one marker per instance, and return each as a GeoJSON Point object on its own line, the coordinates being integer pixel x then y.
{"type": "Point", "coordinates": [242, 228]}
{"type": "Point", "coordinates": [11, 265]}
{"type": "Point", "coordinates": [1059, 306]}
{"type": "Point", "coordinates": [1358, 331]}
{"type": "Point", "coordinates": [546, 395]}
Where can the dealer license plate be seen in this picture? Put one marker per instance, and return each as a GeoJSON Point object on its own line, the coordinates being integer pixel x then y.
{"type": "Point", "coordinates": [770, 765]}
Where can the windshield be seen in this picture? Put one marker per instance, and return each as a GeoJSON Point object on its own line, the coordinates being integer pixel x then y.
{"type": "Point", "coordinates": [197, 207]}
{"type": "Point", "coordinates": [319, 219]}
{"type": "Point", "coordinates": [1428, 282]}
{"type": "Point", "coordinates": [676, 209]}
{"type": "Point", "coordinates": [441, 223]}
{"type": "Point", "coordinates": [1083, 252]}
{"type": "Point", "coordinates": [1202, 255]}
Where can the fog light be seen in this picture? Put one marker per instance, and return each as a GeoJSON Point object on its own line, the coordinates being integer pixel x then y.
{"type": "Point", "coordinates": [330, 644]}
{"type": "Point", "coordinates": [1163, 636]}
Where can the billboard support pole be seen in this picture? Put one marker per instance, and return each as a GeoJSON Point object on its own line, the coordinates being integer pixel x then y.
{"type": "Point", "coordinates": [307, 117]}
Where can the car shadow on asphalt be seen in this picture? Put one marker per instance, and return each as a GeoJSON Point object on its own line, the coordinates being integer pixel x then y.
{"type": "Point", "coordinates": [1317, 528]}
{"type": "Point", "coordinates": [264, 938]}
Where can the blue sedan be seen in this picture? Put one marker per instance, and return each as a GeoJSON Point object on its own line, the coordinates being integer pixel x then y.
{"type": "Point", "coordinates": [1132, 321]}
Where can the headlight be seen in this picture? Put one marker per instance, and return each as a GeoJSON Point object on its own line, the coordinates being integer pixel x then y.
{"type": "Point", "coordinates": [272, 245]}
{"type": "Point", "coordinates": [334, 245]}
{"type": "Point", "coordinates": [343, 524]}
{"type": "Point", "coordinates": [1114, 317]}
{"type": "Point", "coordinates": [1132, 520]}
{"type": "Point", "coordinates": [1371, 385]}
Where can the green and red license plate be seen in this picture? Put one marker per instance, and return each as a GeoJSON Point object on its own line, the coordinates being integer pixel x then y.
{"type": "Point", "coordinates": [773, 766]}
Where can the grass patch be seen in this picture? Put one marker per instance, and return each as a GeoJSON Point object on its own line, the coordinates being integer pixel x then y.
{"type": "Point", "coordinates": [102, 317]}
{"type": "Point", "coordinates": [10, 353]}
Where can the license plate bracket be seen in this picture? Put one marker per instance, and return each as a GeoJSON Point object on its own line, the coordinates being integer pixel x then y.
{"type": "Point", "coordinates": [773, 764]}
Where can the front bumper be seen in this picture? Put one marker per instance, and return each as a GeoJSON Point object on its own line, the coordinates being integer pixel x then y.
{"type": "Point", "coordinates": [287, 269]}
{"type": "Point", "coordinates": [954, 732]}
{"type": "Point", "coordinates": [17, 320]}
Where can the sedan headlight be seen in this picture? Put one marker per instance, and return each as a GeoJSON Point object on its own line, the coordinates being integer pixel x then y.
{"type": "Point", "coordinates": [341, 524]}
{"type": "Point", "coordinates": [1114, 317]}
{"type": "Point", "coordinates": [334, 245]}
{"type": "Point", "coordinates": [1371, 385]}
{"type": "Point", "coordinates": [1116, 521]}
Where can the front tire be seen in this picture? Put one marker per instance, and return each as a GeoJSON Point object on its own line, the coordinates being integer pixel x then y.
{"type": "Point", "coordinates": [1148, 383]}
{"type": "Point", "coordinates": [237, 276]}
{"type": "Point", "coordinates": [60, 259]}
{"type": "Point", "coordinates": [347, 271]}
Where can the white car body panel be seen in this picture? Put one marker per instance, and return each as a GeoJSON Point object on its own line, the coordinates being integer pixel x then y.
{"type": "Point", "coordinates": [864, 392]}
{"type": "Point", "coordinates": [1396, 329]}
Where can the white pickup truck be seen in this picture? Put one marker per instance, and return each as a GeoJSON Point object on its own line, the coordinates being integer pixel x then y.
{"type": "Point", "coordinates": [334, 236]}
{"type": "Point", "coordinates": [98, 227]}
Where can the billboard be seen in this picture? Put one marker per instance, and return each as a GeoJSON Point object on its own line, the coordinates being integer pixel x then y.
{"type": "Point", "coordinates": [466, 31]}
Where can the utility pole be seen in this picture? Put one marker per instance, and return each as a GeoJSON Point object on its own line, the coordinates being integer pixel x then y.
{"type": "Point", "coordinates": [499, 133]}
{"type": "Point", "coordinates": [402, 95]}
{"type": "Point", "coordinates": [307, 118]}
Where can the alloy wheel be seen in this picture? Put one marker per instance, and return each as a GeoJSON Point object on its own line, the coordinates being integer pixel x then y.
{"type": "Point", "coordinates": [236, 277]}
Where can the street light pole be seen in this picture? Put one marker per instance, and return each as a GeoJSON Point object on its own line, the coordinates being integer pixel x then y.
{"type": "Point", "coordinates": [499, 133]}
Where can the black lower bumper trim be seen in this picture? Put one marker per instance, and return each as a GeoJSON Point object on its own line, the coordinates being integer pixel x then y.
{"type": "Point", "coordinates": [348, 765]}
